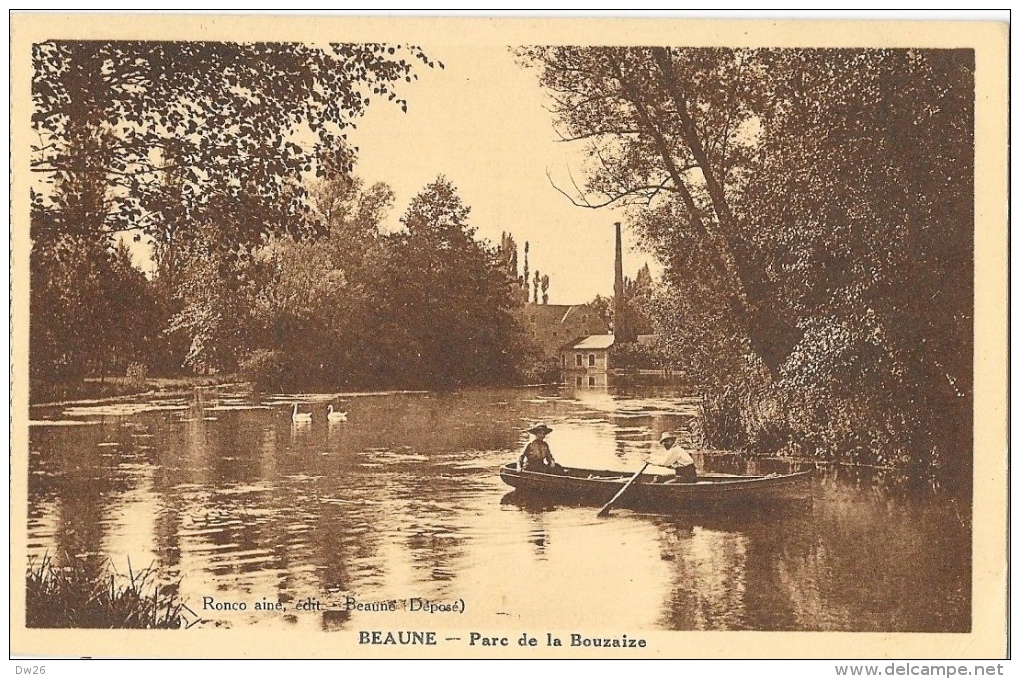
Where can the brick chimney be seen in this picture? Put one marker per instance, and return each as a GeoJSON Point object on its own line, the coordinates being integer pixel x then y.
{"type": "Point", "coordinates": [619, 315]}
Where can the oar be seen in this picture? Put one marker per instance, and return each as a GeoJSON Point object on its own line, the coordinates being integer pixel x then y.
{"type": "Point", "coordinates": [605, 508]}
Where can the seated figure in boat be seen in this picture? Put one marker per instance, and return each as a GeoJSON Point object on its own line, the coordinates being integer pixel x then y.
{"type": "Point", "coordinates": [537, 456]}
{"type": "Point", "coordinates": [676, 457]}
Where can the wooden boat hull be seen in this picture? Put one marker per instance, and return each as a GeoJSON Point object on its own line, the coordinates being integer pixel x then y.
{"type": "Point", "coordinates": [660, 491]}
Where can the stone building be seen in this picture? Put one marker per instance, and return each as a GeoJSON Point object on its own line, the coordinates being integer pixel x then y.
{"type": "Point", "coordinates": [553, 325]}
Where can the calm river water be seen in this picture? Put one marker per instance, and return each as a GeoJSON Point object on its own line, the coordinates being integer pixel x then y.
{"type": "Point", "coordinates": [403, 501]}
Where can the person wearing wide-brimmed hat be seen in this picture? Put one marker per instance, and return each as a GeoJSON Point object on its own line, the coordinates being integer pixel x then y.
{"type": "Point", "coordinates": [536, 455]}
{"type": "Point", "coordinates": [676, 457]}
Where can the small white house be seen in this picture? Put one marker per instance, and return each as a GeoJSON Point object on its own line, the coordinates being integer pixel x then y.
{"type": "Point", "coordinates": [585, 362]}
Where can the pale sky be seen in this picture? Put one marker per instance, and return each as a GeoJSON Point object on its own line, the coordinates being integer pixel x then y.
{"type": "Point", "coordinates": [481, 122]}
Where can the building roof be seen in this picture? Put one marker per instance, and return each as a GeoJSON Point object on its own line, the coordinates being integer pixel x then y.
{"type": "Point", "coordinates": [592, 342]}
{"type": "Point", "coordinates": [569, 311]}
{"type": "Point", "coordinates": [549, 313]}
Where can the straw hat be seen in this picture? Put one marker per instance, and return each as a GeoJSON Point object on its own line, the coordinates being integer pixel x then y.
{"type": "Point", "coordinates": [540, 428]}
{"type": "Point", "coordinates": [667, 436]}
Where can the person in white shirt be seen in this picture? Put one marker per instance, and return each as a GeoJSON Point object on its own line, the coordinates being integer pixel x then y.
{"type": "Point", "coordinates": [676, 457]}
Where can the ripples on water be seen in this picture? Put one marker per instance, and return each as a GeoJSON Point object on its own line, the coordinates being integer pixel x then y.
{"type": "Point", "coordinates": [403, 500]}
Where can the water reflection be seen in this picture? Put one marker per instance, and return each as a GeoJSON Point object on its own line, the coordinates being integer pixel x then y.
{"type": "Point", "coordinates": [403, 501]}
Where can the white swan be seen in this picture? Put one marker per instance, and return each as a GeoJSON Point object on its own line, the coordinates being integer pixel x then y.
{"type": "Point", "coordinates": [335, 415]}
{"type": "Point", "coordinates": [300, 417]}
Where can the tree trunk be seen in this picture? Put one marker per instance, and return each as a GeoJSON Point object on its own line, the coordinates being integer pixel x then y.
{"type": "Point", "coordinates": [772, 337]}
{"type": "Point", "coordinates": [724, 257]}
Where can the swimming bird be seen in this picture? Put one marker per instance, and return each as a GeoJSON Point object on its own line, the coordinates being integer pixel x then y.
{"type": "Point", "coordinates": [300, 417]}
{"type": "Point", "coordinates": [335, 415]}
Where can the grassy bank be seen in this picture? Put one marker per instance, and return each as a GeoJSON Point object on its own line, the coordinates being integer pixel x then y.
{"type": "Point", "coordinates": [88, 593]}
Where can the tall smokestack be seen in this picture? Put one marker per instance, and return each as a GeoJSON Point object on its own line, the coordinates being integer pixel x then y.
{"type": "Point", "coordinates": [619, 329]}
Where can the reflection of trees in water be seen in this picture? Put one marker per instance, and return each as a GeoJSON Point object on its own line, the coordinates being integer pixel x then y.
{"type": "Point", "coordinates": [80, 483]}
{"type": "Point", "coordinates": [236, 451]}
{"type": "Point", "coordinates": [709, 582]}
{"type": "Point", "coordinates": [217, 494]}
{"type": "Point", "coordinates": [726, 566]}
{"type": "Point", "coordinates": [857, 558]}
{"type": "Point", "coordinates": [430, 513]}
{"type": "Point", "coordinates": [337, 544]}
{"type": "Point", "coordinates": [897, 565]}
{"type": "Point", "coordinates": [168, 535]}
{"type": "Point", "coordinates": [272, 523]}
{"type": "Point", "coordinates": [774, 536]}
{"type": "Point", "coordinates": [430, 423]}
{"type": "Point", "coordinates": [83, 517]}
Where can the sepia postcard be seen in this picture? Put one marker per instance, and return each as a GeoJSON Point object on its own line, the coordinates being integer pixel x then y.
{"type": "Point", "coordinates": [340, 337]}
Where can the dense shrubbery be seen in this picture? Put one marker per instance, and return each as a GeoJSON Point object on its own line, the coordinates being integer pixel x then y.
{"type": "Point", "coordinates": [541, 370]}
{"type": "Point", "coordinates": [263, 368]}
{"type": "Point", "coordinates": [631, 355]}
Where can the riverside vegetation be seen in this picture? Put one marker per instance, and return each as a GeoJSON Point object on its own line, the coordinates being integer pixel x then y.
{"type": "Point", "coordinates": [812, 211]}
{"type": "Point", "coordinates": [83, 592]}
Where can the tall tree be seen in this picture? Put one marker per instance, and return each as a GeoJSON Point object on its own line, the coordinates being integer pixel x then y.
{"type": "Point", "coordinates": [508, 253]}
{"type": "Point", "coordinates": [92, 310]}
{"type": "Point", "coordinates": [526, 282]}
{"type": "Point", "coordinates": [661, 122]}
{"type": "Point", "coordinates": [299, 313]}
{"type": "Point", "coordinates": [809, 206]}
{"type": "Point", "coordinates": [194, 145]}
{"type": "Point", "coordinates": [452, 294]}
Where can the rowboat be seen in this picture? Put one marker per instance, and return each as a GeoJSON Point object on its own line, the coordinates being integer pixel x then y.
{"type": "Point", "coordinates": [659, 491]}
